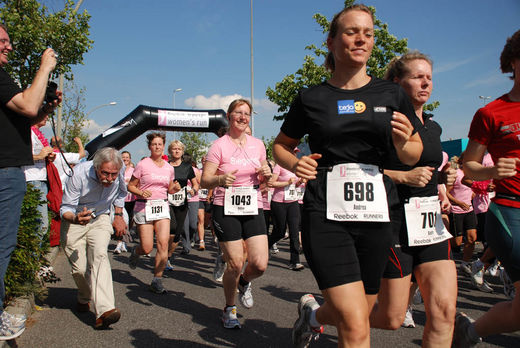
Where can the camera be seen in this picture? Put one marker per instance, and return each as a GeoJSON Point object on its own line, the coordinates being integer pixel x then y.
{"type": "Point", "coordinates": [50, 92]}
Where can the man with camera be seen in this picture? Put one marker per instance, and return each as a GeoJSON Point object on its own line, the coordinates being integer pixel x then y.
{"type": "Point", "coordinates": [19, 109]}
{"type": "Point", "coordinates": [86, 229]}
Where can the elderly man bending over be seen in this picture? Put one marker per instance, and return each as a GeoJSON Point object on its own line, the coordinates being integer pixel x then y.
{"type": "Point", "coordinates": [86, 230]}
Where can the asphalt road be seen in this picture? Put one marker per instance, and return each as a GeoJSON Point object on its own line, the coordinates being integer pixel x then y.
{"type": "Point", "coordinates": [189, 315]}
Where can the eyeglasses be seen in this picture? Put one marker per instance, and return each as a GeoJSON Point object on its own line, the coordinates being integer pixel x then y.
{"type": "Point", "coordinates": [241, 113]}
{"type": "Point", "coordinates": [6, 42]}
{"type": "Point", "coordinates": [107, 174]}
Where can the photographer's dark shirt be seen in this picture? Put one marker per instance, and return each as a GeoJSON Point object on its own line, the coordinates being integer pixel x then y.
{"type": "Point", "coordinates": [15, 129]}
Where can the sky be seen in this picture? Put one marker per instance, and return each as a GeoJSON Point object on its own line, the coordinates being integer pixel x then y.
{"type": "Point", "coordinates": [144, 50]}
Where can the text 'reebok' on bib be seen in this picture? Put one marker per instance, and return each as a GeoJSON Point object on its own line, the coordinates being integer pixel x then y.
{"type": "Point", "coordinates": [424, 221]}
{"type": "Point", "coordinates": [156, 209]}
{"type": "Point", "coordinates": [241, 200]}
{"type": "Point", "coordinates": [356, 192]}
{"type": "Point", "coordinates": [178, 198]}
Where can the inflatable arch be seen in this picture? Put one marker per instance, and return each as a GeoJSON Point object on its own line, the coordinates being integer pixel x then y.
{"type": "Point", "coordinates": [144, 118]}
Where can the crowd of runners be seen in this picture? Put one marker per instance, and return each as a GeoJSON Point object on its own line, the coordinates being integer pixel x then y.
{"type": "Point", "coordinates": [377, 208]}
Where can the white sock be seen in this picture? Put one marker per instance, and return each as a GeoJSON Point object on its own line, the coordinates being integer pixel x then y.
{"type": "Point", "coordinates": [312, 320]}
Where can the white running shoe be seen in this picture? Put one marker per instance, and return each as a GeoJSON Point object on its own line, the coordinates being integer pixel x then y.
{"type": "Point", "coordinates": [229, 318]}
{"type": "Point", "coordinates": [123, 247]}
{"type": "Point", "coordinates": [117, 250]}
{"type": "Point", "coordinates": [245, 295]}
{"type": "Point", "coordinates": [465, 267]}
{"type": "Point", "coordinates": [303, 332]}
{"type": "Point", "coordinates": [477, 273]}
{"type": "Point", "coordinates": [408, 319]}
{"type": "Point", "coordinates": [8, 329]}
{"type": "Point", "coordinates": [494, 269]}
{"type": "Point", "coordinates": [274, 249]}
{"type": "Point", "coordinates": [169, 266]}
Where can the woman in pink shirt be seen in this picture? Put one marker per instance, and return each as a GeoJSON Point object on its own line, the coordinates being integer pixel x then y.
{"type": "Point", "coordinates": [129, 202]}
{"type": "Point", "coordinates": [464, 220]}
{"type": "Point", "coordinates": [151, 181]}
{"type": "Point", "coordinates": [285, 211]}
{"type": "Point", "coordinates": [235, 166]}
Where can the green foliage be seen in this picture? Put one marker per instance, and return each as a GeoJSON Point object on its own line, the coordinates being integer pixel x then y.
{"type": "Point", "coordinates": [32, 29]}
{"type": "Point", "coordinates": [196, 144]}
{"type": "Point", "coordinates": [386, 47]}
{"type": "Point", "coordinates": [28, 256]}
{"type": "Point", "coordinates": [268, 142]}
{"type": "Point", "coordinates": [74, 118]}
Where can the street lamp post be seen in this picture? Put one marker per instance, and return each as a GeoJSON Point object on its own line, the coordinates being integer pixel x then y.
{"type": "Point", "coordinates": [99, 107]}
{"type": "Point", "coordinates": [484, 98]}
{"type": "Point", "coordinates": [175, 91]}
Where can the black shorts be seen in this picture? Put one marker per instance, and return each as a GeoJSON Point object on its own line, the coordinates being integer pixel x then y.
{"type": "Point", "coordinates": [345, 252]}
{"type": "Point", "coordinates": [235, 227]}
{"type": "Point", "coordinates": [460, 223]}
{"type": "Point", "coordinates": [403, 258]}
{"type": "Point", "coordinates": [205, 205]}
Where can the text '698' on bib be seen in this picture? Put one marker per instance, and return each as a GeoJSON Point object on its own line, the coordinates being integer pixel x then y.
{"type": "Point", "coordinates": [356, 192]}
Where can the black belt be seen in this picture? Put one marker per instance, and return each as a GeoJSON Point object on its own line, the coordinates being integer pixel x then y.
{"type": "Point", "coordinates": [146, 200]}
{"type": "Point", "coordinates": [256, 187]}
{"type": "Point", "coordinates": [509, 196]}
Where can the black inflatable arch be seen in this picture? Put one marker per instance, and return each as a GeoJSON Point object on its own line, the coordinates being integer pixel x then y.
{"type": "Point", "coordinates": [144, 118]}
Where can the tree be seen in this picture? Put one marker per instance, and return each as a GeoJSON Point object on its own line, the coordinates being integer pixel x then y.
{"type": "Point", "coordinates": [32, 29]}
{"type": "Point", "coordinates": [196, 144]}
{"type": "Point", "coordinates": [386, 47]}
{"type": "Point", "coordinates": [74, 118]}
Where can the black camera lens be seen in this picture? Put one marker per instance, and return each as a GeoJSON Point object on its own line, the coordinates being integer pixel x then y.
{"type": "Point", "coordinates": [50, 93]}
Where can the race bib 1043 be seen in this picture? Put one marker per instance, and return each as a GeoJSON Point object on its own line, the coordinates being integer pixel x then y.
{"type": "Point", "coordinates": [356, 192]}
{"type": "Point", "coordinates": [241, 201]}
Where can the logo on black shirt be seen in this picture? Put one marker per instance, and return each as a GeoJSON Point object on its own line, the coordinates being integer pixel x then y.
{"type": "Point", "coordinates": [350, 107]}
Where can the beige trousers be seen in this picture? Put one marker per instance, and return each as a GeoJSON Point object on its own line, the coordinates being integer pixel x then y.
{"type": "Point", "coordinates": [86, 248]}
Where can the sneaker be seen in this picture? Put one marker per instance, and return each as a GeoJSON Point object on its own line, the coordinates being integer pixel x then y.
{"type": "Point", "coordinates": [303, 332]}
{"type": "Point", "coordinates": [461, 334]}
{"type": "Point", "coordinates": [157, 286]}
{"type": "Point", "coordinates": [286, 235]}
{"type": "Point", "coordinates": [477, 273]}
{"type": "Point", "coordinates": [296, 266]}
{"type": "Point", "coordinates": [117, 250]}
{"type": "Point", "coordinates": [123, 247]}
{"type": "Point", "coordinates": [229, 318]}
{"type": "Point", "coordinates": [133, 260]}
{"type": "Point", "coordinates": [509, 288]}
{"type": "Point", "coordinates": [494, 269]}
{"type": "Point", "coordinates": [274, 249]}
{"type": "Point", "coordinates": [417, 297]}
{"type": "Point", "coordinates": [245, 295]}
{"type": "Point", "coordinates": [220, 268]}
{"type": "Point", "coordinates": [485, 287]}
{"type": "Point", "coordinates": [8, 329]}
{"type": "Point", "coordinates": [465, 267]}
{"type": "Point", "coordinates": [202, 245]}
{"type": "Point", "coordinates": [408, 319]}
{"type": "Point", "coordinates": [16, 320]}
{"type": "Point", "coordinates": [169, 266]}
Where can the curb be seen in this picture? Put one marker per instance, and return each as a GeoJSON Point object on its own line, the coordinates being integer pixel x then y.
{"type": "Point", "coordinates": [24, 305]}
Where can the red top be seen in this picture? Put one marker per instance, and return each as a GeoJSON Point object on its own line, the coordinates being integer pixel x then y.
{"type": "Point", "coordinates": [497, 126]}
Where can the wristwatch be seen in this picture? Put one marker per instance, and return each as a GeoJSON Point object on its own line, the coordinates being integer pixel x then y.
{"type": "Point", "coordinates": [118, 214]}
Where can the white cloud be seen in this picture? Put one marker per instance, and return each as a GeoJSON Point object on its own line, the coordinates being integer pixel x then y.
{"type": "Point", "coordinates": [216, 101]}
{"type": "Point", "coordinates": [486, 81]}
{"type": "Point", "coordinates": [451, 66]}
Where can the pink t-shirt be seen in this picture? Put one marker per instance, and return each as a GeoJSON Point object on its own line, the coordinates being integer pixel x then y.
{"type": "Point", "coordinates": [230, 157]}
{"type": "Point", "coordinates": [283, 175]}
{"type": "Point", "coordinates": [462, 193]}
{"type": "Point", "coordinates": [266, 203]}
{"type": "Point", "coordinates": [482, 199]}
{"type": "Point", "coordinates": [154, 179]}
{"type": "Point", "coordinates": [196, 197]}
{"type": "Point", "coordinates": [130, 197]}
